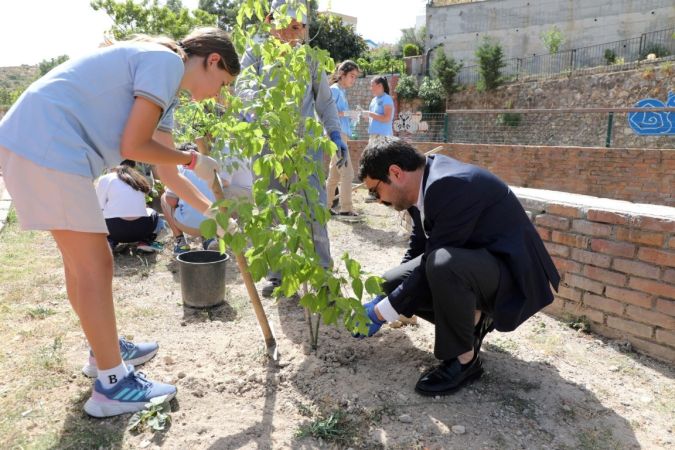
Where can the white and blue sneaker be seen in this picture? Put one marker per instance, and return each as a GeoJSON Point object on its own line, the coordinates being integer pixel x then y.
{"type": "Point", "coordinates": [132, 354]}
{"type": "Point", "coordinates": [127, 396]}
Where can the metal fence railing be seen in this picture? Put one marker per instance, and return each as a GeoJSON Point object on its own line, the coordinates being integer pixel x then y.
{"type": "Point", "coordinates": [588, 127]}
{"type": "Point", "coordinates": [626, 53]}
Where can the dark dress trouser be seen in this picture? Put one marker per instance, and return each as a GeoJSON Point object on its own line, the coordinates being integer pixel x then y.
{"type": "Point", "coordinates": [461, 281]}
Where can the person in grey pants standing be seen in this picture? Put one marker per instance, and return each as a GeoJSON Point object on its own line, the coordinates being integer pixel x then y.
{"type": "Point", "coordinates": [317, 99]}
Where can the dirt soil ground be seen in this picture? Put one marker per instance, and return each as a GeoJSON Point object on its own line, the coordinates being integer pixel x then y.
{"type": "Point", "coordinates": [546, 386]}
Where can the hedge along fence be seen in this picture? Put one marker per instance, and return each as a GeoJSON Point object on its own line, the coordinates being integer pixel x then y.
{"type": "Point", "coordinates": [637, 175]}
{"type": "Point", "coordinates": [617, 262]}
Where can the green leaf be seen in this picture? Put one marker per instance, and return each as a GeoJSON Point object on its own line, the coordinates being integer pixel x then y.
{"type": "Point", "coordinates": [208, 228]}
{"type": "Point", "coordinates": [353, 267]}
{"type": "Point", "coordinates": [330, 315]}
{"type": "Point", "coordinates": [357, 286]}
{"type": "Point", "coordinates": [374, 285]}
{"type": "Point", "coordinates": [238, 243]}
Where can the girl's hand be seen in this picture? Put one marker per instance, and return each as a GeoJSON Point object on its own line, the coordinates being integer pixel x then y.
{"type": "Point", "coordinates": [204, 166]}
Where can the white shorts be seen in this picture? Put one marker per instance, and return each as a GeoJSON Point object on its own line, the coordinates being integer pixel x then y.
{"type": "Point", "coordinates": [47, 199]}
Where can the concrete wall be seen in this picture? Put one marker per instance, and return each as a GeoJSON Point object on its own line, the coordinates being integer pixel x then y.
{"type": "Point", "coordinates": [518, 24]}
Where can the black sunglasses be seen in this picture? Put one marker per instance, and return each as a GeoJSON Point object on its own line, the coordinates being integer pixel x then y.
{"type": "Point", "coordinates": [373, 191]}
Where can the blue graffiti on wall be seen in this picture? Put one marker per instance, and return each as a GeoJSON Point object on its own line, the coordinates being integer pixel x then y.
{"type": "Point", "coordinates": [653, 123]}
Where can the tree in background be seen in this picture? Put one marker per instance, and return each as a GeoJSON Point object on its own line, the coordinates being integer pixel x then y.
{"type": "Point", "coordinates": [225, 10]}
{"type": "Point", "coordinates": [445, 70]}
{"type": "Point", "coordinates": [150, 17]}
{"type": "Point", "coordinates": [490, 61]}
{"type": "Point", "coordinates": [46, 65]}
{"type": "Point", "coordinates": [340, 40]}
{"type": "Point", "coordinates": [410, 36]}
{"type": "Point", "coordinates": [381, 60]}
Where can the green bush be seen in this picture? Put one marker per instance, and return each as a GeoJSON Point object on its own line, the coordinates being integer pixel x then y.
{"type": "Point", "coordinates": [490, 61]}
{"type": "Point", "coordinates": [553, 39]}
{"type": "Point", "coordinates": [432, 94]}
{"type": "Point", "coordinates": [446, 70]}
{"type": "Point", "coordinates": [610, 56]}
{"type": "Point", "coordinates": [510, 119]}
{"type": "Point", "coordinates": [411, 50]}
{"type": "Point", "coordinates": [407, 87]}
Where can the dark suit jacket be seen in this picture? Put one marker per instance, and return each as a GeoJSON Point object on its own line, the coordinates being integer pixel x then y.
{"type": "Point", "coordinates": [468, 207]}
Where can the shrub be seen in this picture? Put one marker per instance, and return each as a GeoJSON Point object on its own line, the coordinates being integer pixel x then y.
{"type": "Point", "coordinates": [411, 50]}
{"type": "Point", "coordinates": [610, 56]}
{"type": "Point", "coordinates": [510, 119]}
{"type": "Point", "coordinates": [490, 61]}
{"type": "Point", "coordinates": [446, 70]}
{"type": "Point", "coordinates": [407, 87]}
{"type": "Point", "coordinates": [432, 94]}
{"type": "Point", "coordinates": [553, 39]}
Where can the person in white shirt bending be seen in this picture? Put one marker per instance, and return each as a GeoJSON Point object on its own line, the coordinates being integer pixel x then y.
{"type": "Point", "coordinates": [121, 194]}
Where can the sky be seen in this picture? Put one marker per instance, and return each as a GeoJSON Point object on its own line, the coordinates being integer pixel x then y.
{"type": "Point", "coordinates": [34, 30]}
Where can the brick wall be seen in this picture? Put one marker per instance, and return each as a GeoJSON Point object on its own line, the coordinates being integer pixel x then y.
{"type": "Point", "coordinates": [617, 262]}
{"type": "Point", "coordinates": [636, 175]}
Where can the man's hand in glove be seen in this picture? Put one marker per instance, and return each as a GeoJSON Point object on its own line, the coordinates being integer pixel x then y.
{"type": "Point", "coordinates": [375, 322]}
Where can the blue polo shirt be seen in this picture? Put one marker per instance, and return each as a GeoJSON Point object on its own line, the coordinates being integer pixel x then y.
{"type": "Point", "coordinates": [72, 119]}
{"type": "Point", "coordinates": [377, 106]}
{"type": "Point", "coordinates": [340, 98]}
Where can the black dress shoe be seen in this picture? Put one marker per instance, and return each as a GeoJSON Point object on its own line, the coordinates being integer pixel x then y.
{"type": "Point", "coordinates": [448, 377]}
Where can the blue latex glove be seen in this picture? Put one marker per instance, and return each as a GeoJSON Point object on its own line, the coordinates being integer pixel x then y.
{"type": "Point", "coordinates": [375, 323]}
{"type": "Point", "coordinates": [342, 159]}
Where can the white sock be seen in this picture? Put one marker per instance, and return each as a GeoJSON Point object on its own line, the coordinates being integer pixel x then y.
{"type": "Point", "coordinates": [110, 377]}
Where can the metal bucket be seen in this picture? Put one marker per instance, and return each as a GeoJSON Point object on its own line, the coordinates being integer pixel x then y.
{"type": "Point", "coordinates": [202, 278]}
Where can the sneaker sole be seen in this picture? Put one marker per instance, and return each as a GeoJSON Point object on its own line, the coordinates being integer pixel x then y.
{"type": "Point", "coordinates": [91, 370]}
{"type": "Point", "coordinates": [100, 407]}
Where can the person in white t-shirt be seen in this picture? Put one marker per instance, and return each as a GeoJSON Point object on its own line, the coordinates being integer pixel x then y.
{"type": "Point", "coordinates": [86, 115]}
{"type": "Point", "coordinates": [237, 179]}
{"type": "Point", "coordinates": [121, 194]}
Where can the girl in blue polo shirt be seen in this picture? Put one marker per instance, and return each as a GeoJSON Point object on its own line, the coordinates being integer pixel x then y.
{"type": "Point", "coordinates": [381, 111]}
{"type": "Point", "coordinates": [86, 115]}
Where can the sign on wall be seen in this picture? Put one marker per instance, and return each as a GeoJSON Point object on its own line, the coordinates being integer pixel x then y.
{"type": "Point", "coordinates": [410, 123]}
{"type": "Point", "coordinates": [653, 123]}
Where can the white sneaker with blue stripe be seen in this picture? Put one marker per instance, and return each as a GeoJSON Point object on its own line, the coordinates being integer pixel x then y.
{"type": "Point", "coordinates": [127, 396]}
{"type": "Point", "coordinates": [132, 354]}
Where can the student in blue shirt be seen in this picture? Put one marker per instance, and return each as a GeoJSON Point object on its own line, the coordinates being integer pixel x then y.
{"type": "Point", "coordinates": [341, 171]}
{"type": "Point", "coordinates": [381, 111]}
{"type": "Point", "coordinates": [83, 116]}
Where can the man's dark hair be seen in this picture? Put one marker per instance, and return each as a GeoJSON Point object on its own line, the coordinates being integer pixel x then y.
{"type": "Point", "coordinates": [382, 152]}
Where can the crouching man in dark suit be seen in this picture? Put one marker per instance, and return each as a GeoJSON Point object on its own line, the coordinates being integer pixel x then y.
{"type": "Point", "coordinates": [475, 261]}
